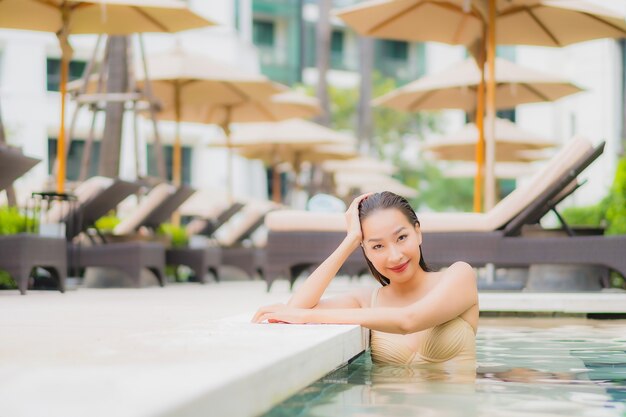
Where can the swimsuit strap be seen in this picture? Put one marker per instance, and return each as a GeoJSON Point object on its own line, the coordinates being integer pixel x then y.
{"type": "Point", "coordinates": [374, 297]}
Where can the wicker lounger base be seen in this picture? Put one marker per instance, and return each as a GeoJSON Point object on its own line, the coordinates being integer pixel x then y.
{"type": "Point", "coordinates": [19, 254]}
{"type": "Point", "coordinates": [129, 257]}
{"type": "Point", "coordinates": [288, 254]}
{"type": "Point", "coordinates": [249, 259]}
{"type": "Point", "coordinates": [200, 261]}
{"type": "Point", "coordinates": [478, 249]}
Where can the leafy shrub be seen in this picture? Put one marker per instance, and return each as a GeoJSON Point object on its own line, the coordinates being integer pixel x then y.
{"type": "Point", "coordinates": [594, 215]}
{"type": "Point", "coordinates": [11, 221]}
{"type": "Point", "coordinates": [106, 224]}
{"type": "Point", "coordinates": [177, 234]}
{"type": "Point", "coordinates": [609, 213]}
{"type": "Point", "coordinates": [6, 282]}
{"type": "Point", "coordinates": [616, 208]}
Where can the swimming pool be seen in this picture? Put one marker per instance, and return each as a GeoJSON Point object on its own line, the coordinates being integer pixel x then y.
{"type": "Point", "coordinates": [525, 367]}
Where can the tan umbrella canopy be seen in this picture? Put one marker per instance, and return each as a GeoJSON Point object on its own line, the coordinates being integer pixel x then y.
{"type": "Point", "coordinates": [512, 144]}
{"type": "Point", "coordinates": [459, 22]}
{"type": "Point", "coordinates": [113, 17]}
{"type": "Point", "coordinates": [211, 92]}
{"type": "Point", "coordinates": [293, 141]}
{"type": "Point", "coordinates": [360, 164]}
{"type": "Point", "coordinates": [195, 88]}
{"type": "Point", "coordinates": [480, 24]}
{"type": "Point", "coordinates": [456, 88]}
{"type": "Point", "coordinates": [369, 182]}
{"type": "Point", "coordinates": [503, 170]}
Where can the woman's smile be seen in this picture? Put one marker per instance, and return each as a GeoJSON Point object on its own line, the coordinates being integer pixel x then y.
{"type": "Point", "coordinates": [401, 267]}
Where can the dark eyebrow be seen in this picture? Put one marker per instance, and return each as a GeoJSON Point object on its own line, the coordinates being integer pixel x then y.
{"type": "Point", "coordinates": [398, 230]}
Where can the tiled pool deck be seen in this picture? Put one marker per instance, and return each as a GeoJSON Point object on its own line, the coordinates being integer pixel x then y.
{"type": "Point", "coordinates": [184, 350]}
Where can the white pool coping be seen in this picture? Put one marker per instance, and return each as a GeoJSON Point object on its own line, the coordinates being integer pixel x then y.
{"type": "Point", "coordinates": [568, 303]}
{"type": "Point", "coordinates": [158, 352]}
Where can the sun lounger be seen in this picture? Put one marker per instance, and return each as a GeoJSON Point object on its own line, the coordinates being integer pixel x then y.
{"type": "Point", "coordinates": [500, 236]}
{"type": "Point", "coordinates": [96, 197]}
{"type": "Point", "coordinates": [21, 253]}
{"type": "Point", "coordinates": [210, 222]}
{"type": "Point", "coordinates": [155, 209]}
{"type": "Point", "coordinates": [237, 249]}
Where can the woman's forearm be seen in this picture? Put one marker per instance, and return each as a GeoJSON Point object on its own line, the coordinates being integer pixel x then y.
{"type": "Point", "coordinates": [309, 293]}
{"type": "Point", "coordinates": [384, 319]}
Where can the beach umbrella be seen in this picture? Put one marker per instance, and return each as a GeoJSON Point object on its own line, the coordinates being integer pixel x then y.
{"type": "Point", "coordinates": [360, 164]}
{"type": "Point", "coordinates": [191, 87]}
{"type": "Point", "coordinates": [295, 157]}
{"type": "Point", "coordinates": [503, 170]}
{"type": "Point", "coordinates": [194, 88]}
{"type": "Point", "coordinates": [475, 23]}
{"type": "Point", "coordinates": [513, 144]}
{"type": "Point", "coordinates": [293, 141]}
{"type": "Point", "coordinates": [112, 17]}
{"type": "Point", "coordinates": [345, 182]}
{"type": "Point", "coordinates": [456, 88]}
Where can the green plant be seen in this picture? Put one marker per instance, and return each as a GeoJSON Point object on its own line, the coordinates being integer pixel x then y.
{"type": "Point", "coordinates": [11, 221]}
{"type": "Point", "coordinates": [594, 215]}
{"type": "Point", "coordinates": [107, 223]}
{"type": "Point", "coordinates": [616, 207]}
{"type": "Point", "coordinates": [6, 282]}
{"type": "Point", "coordinates": [177, 234]}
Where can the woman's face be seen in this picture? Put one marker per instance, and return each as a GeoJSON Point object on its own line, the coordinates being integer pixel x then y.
{"type": "Point", "coordinates": [392, 244]}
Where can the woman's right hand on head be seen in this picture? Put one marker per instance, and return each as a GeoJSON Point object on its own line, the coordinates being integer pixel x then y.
{"type": "Point", "coordinates": [352, 218]}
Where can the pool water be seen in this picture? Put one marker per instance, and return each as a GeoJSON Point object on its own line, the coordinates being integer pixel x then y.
{"type": "Point", "coordinates": [525, 367]}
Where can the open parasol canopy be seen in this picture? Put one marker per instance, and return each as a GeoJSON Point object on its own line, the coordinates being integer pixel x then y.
{"type": "Point", "coordinates": [112, 17]}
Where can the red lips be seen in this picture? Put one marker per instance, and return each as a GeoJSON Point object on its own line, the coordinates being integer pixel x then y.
{"type": "Point", "coordinates": [401, 267]}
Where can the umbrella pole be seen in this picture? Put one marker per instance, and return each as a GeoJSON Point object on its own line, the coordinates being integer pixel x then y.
{"type": "Point", "coordinates": [66, 55]}
{"type": "Point", "coordinates": [480, 125]}
{"type": "Point", "coordinates": [275, 184]}
{"type": "Point", "coordinates": [158, 147]}
{"type": "Point", "coordinates": [177, 160]}
{"type": "Point", "coordinates": [490, 197]}
{"type": "Point", "coordinates": [229, 146]}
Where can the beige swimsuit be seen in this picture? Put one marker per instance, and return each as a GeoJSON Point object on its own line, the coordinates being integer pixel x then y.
{"type": "Point", "coordinates": [451, 341]}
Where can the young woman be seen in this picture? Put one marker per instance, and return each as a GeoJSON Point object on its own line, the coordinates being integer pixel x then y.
{"type": "Point", "coordinates": [418, 316]}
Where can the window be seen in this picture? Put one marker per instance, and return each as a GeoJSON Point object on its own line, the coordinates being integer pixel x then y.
{"type": "Point", "coordinates": [395, 50]}
{"type": "Point", "coordinates": [168, 151]}
{"type": "Point", "coordinates": [74, 158]}
{"type": "Point", "coordinates": [54, 72]}
{"type": "Point", "coordinates": [506, 114]}
{"type": "Point", "coordinates": [336, 42]}
{"type": "Point", "coordinates": [263, 33]}
{"type": "Point", "coordinates": [507, 52]}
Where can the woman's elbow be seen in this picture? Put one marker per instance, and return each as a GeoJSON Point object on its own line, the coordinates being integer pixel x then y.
{"type": "Point", "coordinates": [407, 323]}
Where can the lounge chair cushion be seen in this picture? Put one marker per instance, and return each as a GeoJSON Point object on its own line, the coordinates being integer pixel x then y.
{"type": "Point", "coordinates": [242, 222]}
{"type": "Point", "coordinates": [157, 196]}
{"type": "Point", "coordinates": [84, 192]}
{"type": "Point", "coordinates": [504, 211]}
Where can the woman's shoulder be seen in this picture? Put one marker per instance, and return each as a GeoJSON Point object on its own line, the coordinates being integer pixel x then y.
{"type": "Point", "coordinates": [460, 267]}
{"type": "Point", "coordinates": [458, 271]}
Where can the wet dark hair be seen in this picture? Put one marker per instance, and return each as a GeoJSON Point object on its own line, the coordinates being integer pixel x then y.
{"type": "Point", "coordinates": [382, 201]}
